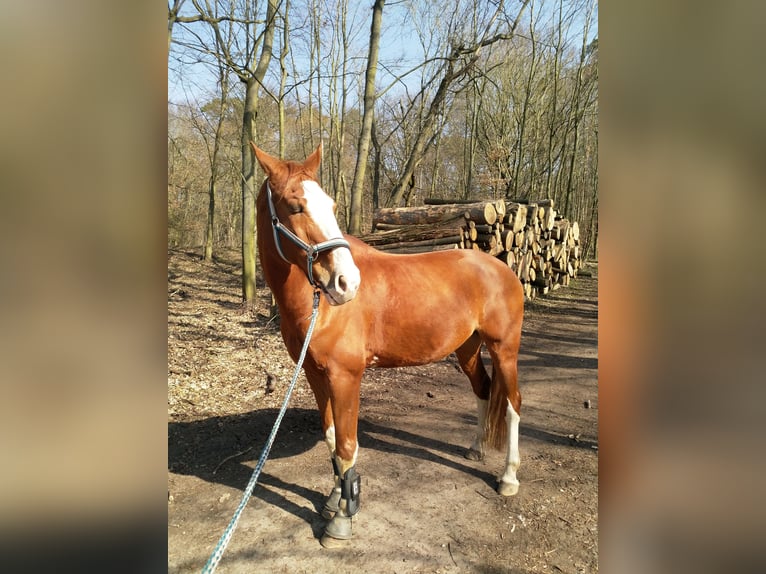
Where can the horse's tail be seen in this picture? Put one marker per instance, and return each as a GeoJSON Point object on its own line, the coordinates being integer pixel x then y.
{"type": "Point", "coordinates": [496, 434]}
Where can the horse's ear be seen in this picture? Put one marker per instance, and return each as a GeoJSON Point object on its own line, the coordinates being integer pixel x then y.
{"type": "Point", "coordinates": [270, 164]}
{"type": "Point", "coordinates": [311, 165]}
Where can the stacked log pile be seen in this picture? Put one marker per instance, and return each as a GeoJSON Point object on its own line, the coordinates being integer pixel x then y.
{"type": "Point", "coordinates": [541, 247]}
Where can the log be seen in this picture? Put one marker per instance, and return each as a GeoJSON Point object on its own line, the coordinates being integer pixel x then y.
{"type": "Point", "coordinates": [432, 213]}
{"type": "Point", "coordinates": [529, 237]}
{"type": "Point", "coordinates": [531, 214]}
{"type": "Point", "coordinates": [450, 240]}
{"type": "Point", "coordinates": [524, 263]}
{"type": "Point", "coordinates": [440, 201]}
{"type": "Point", "coordinates": [549, 218]}
{"type": "Point", "coordinates": [486, 228]}
{"type": "Point", "coordinates": [500, 209]}
{"type": "Point", "coordinates": [420, 249]}
{"type": "Point", "coordinates": [560, 230]}
{"type": "Point", "coordinates": [574, 253]}
{"type": "Point", "coordinates": [411, 233]}
{"type": "Point", "coordinates": [516, 216]}
{"type": "Point", "coordinates": [528, 290]}
{"type": "Point", "coordinates": [508, 258]}
{"type": "Point", "coordinates": [506, 238]}
{"type": "Point", "coordinates": [486, 240]}
{"type": "Point", "coordinates": [559, 252]}
{"type": "Point", "coordinates": [481, 212]}
{"type": "Point", "coordinates": [495, 251]}
{"type": "Point", "coordinates": [389, 226]}
{"type": "Point", "coordinates": [542, 202]}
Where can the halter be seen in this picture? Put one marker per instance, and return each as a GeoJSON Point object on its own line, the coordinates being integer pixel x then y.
{"type": "Point", "coordinates": [312, 251]}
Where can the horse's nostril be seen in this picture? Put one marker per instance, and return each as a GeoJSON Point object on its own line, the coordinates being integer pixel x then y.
{"type": "Point", "coordinates": [342, 285]}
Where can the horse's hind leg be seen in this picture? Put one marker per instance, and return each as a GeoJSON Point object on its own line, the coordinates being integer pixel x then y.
{"type": "Point", "coordinates": [469, 357]}
{"type": "Point", "coordinates": [504, 408]}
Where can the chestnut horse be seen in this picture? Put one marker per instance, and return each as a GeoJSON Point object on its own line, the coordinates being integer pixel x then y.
{"type": "Point", "coordinates": [383, 310]}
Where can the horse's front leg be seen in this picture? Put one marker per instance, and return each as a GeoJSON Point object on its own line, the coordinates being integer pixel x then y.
{"type": "Point", "coordinates": [332, 503]}
{"type": "Point", "coordinates": [344, 400]}
{"type": "Point", "coordinates": [320, 386]}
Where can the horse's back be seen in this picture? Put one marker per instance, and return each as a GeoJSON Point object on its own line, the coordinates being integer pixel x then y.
{"type": "Point", "coordinates": [432, 302]}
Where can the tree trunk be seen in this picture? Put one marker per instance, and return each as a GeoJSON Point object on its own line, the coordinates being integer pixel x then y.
{"type": "Point", "coordinates": [377, 165]}
{"type": "Point", "coordinates": [424, 135]}
{"type": "Point", "coordinates": [283, 78]}
{"type": "Point", "coordinates": [363, 148]}
{"type": "Point", "coordinates": [249, 133]}
{"type": "Point", "coordinates": [210, 227]}
{"type": "Point", "coordinates": [248, 193]}
{"type": "Point", "coordinates": [512, 188]}
{"type": "Point", "coordinates": [552, 125]}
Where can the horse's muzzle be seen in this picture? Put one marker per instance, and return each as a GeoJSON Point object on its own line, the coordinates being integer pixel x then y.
{"type": "Point", "coordinates": [342, 287]}
{"type": "Point", "coordinates": [343, 283]}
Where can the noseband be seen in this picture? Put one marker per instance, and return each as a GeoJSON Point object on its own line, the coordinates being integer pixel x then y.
{"type": "Point", "coordinates": [312, 251]}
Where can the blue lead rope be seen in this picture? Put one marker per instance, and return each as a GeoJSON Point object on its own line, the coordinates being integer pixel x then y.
{"type": "Point", "coordinates": [215, 558]}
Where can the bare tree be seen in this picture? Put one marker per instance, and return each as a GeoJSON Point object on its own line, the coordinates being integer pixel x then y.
{"type": "Point", "coordinates": [577, 109]}
{"type": "Point", "coordinates": [242, 59]}
{"type": "Point", "coordinates": [457, 66]}
{"type": "Point", "coordinates": [363, 146]}
{"type": "Point", "coordinates": [482, 105]}
{"type": "Point", "coordinates": [173, 10]}
{"type": "Point", "coordinates": [283, 76]}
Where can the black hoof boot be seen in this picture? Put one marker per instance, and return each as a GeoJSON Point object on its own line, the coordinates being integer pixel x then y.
{"type": "Point", "coordinates": [339, 527]}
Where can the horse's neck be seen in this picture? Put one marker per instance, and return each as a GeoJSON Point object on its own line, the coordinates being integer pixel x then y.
{"type": "Point", "coordinates": [289, 285]}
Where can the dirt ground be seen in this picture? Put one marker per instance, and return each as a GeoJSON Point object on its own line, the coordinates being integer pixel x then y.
{"type": "Point", "coordinates": [425, 508]}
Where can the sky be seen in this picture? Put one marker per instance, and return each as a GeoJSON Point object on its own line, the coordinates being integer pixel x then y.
{"type": "Point", "coordinates": [400, 50]}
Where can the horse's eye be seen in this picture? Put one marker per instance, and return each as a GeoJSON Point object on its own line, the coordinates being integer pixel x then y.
{"type": "Point", "coordinates": [296, 207]}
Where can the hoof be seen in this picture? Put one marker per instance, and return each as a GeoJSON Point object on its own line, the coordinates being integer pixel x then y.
{"type": "Point", "coordinates": [507, 488]}
{"type": "Point", "coordinates": [473, 454]}
{"type": "Point", "coordinates": [330, 542]}
{"type": "Point", "coordinates": [339, 528]}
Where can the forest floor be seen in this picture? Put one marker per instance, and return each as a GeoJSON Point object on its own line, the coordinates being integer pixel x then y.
{"type": "Point", "coordinates": [425, 508]}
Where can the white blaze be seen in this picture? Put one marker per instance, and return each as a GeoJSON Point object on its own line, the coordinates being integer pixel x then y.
{"type": "Point", "coordinates": [319, 207]}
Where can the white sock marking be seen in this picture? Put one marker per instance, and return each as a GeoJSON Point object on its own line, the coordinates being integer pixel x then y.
{"type": "Point", "coordinates": [329, 439]}
{"type": "Point", "coordinates": [513, 459]}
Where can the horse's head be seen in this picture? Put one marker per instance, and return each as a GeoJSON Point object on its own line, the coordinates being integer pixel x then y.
{"type": "Point", "coordinates": [304, 214]}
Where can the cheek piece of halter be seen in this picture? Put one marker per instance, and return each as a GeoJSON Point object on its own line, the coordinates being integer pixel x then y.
{"type": "Point", "coordinates": [312, 251]}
